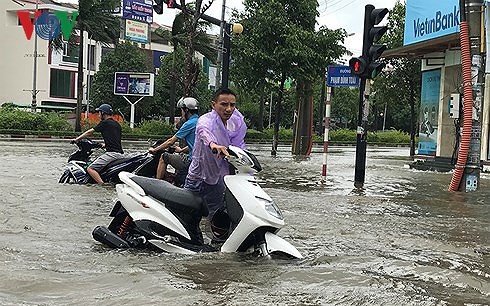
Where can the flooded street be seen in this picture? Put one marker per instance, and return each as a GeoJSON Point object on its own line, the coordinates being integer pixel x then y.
{"type": "Point", "coordinates": [402, 240]}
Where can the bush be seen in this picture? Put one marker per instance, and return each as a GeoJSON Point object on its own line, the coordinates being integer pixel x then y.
{"type": "Point", "coordinates": [283, 134]}
{"type": "Point", "coordinates": [256, 135]}
{"type": "Point", "coordinates": [395, 137]}
{"type": "Point", "coordinates": [23, 120]}
{"type": "Point", "coordinates": [156, 127]}
{"type": "Point", "coordinates": [343, 135]}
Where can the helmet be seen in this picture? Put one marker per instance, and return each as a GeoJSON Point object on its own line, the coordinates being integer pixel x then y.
{"type": "Point", "coordinates": [187, 102]}
{"type": "Point", "coordinates": [105, 109]}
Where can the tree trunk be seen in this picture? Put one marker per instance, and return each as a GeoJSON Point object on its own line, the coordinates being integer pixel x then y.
{"type": "Point", "coordinates": [277, 117]}
{"type": "Point", "coordinates": [302, 137]}
{"type": "Point", "coordinates": [80, 78]}
{"type": "Point", "coordinates": [260, 125]}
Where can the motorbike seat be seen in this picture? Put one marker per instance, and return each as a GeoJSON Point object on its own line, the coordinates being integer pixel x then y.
{"type": "Point", "coordinates": [117, 162]}
{"type": "Point", "coordinates": [173, 196]}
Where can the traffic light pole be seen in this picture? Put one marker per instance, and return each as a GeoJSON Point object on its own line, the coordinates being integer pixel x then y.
{"type": "Point", "coordinates": [367, 67]}
{"type": "Point", "coordinates": [361, 145]}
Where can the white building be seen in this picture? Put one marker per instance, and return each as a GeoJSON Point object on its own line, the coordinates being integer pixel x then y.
{"type": "Point", "coordinates": [56, 77]}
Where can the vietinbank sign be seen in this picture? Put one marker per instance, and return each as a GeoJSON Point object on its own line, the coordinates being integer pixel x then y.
{"type": "Point", "coordinates": [47, 25]}
{"type": "Point", "coordinates": [428, 19]}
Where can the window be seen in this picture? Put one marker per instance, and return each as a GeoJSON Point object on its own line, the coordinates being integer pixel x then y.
{"type": "Point", "coordinates": [70, 53]}
{"type": "Point", "coordinates": [91, 57]}
{"type": "Point", "coordinates": [62, 84]}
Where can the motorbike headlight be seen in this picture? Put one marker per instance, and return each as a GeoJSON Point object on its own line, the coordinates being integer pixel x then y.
{"type": "Point", "coordinates": [271, 208]}
{"type": "Point", "coordinates": [244, 160]}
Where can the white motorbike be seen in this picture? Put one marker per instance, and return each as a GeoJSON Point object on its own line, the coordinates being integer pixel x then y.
{"type": "Point", "coordinates": [154, 213]}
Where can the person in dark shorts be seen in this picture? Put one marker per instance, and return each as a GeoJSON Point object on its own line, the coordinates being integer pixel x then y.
{"type": "Point", "coordinates": [187, 132]}
{"type": "Point", "coordinates": [111, 132]}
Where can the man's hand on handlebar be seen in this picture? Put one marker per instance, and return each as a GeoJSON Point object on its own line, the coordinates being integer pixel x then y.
{"type": "Point", "coordinates": [221, 151]}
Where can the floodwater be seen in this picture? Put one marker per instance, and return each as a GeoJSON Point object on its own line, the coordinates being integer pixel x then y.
{"type": "Point", "coordinates": [402, 240]}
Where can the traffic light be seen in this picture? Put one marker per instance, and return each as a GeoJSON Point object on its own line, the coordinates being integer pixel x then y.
{"type": "Point", "coordinates": [158, 7]}
{"type": "Point", "coordinates": [367, 66]}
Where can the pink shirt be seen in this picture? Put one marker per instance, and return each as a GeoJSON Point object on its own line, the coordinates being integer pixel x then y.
{"type": "Point", "coordinates": [205, 165]}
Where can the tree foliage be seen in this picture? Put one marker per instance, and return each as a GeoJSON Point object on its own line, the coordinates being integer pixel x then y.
{"type": "Point", "coordinates": [171, 67]}
{"type": "Point", "coordinates": [400, 82]}
{"type": "Point", "coordinates": [97, 18]}
{"type": "Point", "coordinates": [280, 42]}
{"type": "Point", "coordinates": [126, 57]}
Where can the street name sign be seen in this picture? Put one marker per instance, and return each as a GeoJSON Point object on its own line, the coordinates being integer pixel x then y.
{"type": "Point", "coordinates": [338, 76]}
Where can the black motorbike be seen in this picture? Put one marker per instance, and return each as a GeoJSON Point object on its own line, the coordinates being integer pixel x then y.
{"type": "Point", "coordinates": [144, 164]}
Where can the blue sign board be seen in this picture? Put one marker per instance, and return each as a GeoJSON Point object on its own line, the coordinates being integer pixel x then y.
{"type": "Point", "coordinates": [133, 84]}
{"type": "Point", "coordinates": [429, 108]}
{"type": "Point", "coordinates": [139, 10]}
{"type": "Point", "coordinates": [338, 76]}
{"type": "Point", "coordinates": [428, 19]}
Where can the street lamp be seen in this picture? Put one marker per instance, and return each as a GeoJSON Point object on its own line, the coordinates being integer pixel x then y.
{"type": "Point", "coordinates": [236, 28]}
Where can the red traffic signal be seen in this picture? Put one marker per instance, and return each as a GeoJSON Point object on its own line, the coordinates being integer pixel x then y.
{"type": "Point", "coordinates": [357, 65]}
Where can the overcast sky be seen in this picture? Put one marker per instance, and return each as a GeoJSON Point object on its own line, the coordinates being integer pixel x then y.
{"type": "Point", "coordinates": [346, 14]}
{"type": "Point", "coordinates": [334, 14]}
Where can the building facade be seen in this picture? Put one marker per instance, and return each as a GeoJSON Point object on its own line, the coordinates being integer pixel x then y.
{"type": "Point", "coordinates": [56, 70]}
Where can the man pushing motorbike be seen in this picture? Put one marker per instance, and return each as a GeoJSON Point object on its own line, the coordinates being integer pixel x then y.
{"type": "Point", "coordinates": [224, 125]}
{"type": "Point", "coordinates": [111, 132]}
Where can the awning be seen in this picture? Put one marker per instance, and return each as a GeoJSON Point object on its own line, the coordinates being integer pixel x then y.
{"type": "Point", "coordinates": [418, 50]}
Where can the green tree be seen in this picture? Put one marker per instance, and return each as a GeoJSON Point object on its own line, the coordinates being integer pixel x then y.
{"type": "Point", "coordinates": [280, 42]}
{"type": "Point", "coordinates": [179, 37]}
{"type": "Point", "coordinates": [192, 38]}
{"type": "Point", "coordinates": [125, 57]}
{"type": "Point", "coordinates": [97, 18]}
{"type": "Point", "coordinates": [170, 70]}
{"type": "Point", "coordinates": [399, 86]}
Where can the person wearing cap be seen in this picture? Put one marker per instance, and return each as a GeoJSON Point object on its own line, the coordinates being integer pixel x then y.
{"type": "Point", "coordinates": [111, 132]}
{"type": "Point", "coordinates": [187, 132]}
{"type": "Point", "coordinates": [224, 125]}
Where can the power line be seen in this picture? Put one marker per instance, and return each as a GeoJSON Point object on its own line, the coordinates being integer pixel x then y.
{"type": "Point", "coordinates": [341, 7]}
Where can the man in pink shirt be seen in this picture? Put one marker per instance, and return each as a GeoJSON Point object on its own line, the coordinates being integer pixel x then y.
{"type": "Point", "coordinates": [224, 125]}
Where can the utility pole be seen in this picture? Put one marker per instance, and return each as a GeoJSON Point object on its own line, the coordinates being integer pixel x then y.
{"type": "Point", "coordinates": [220, 46]}
{"type": "Point", "coordinates": [474, 12]}
{"type": "Point", "coordinates": [34, 78]}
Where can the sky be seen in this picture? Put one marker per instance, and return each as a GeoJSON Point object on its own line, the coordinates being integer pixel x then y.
{"type": "Point", "coordinates": [335, 14]}
{"type": "Point", "coordinates": [346, 14]}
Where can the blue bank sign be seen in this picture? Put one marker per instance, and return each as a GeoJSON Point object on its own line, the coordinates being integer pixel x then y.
{"type": "Point", "coordinates": [338, 76]}
{"type": "Point", "coordinates": [428, 19]}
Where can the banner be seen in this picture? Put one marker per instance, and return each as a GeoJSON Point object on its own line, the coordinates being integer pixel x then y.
{"type": "Point", "coordinates": [136, 31]}
{"type": "Point", "coordinates": [429, 110]}
{"type": "Point", "coordinates": [428, 19]}
{"type": "Point", "coordinates": [139, 10]}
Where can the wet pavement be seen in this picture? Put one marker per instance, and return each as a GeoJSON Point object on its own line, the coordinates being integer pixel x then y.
{"type": "Point", "coordinates": [402, 240]}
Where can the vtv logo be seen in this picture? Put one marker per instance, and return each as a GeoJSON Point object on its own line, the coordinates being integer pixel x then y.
{"type": "Point", "coordinates": [48, 25]}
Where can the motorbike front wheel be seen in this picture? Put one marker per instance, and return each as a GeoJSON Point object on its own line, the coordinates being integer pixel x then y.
{"type": "Point", "coordinates": [66, 177]}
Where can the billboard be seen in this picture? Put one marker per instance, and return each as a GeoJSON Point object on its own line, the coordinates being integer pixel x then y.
{"type": "Point", "coordinates": [133, 84]}
{"type": "Point", "coordinates": [136, 31]}
{"type": "Point", "coordinates": [428, 19]}
{"type": "Point", "coordinates": [429, 110]}
{"type": "Point", "coordinates": [139, 10]}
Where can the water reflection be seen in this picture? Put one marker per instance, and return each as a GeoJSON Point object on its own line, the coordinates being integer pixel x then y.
{"type": "Point", "coordinates": [400, 240]}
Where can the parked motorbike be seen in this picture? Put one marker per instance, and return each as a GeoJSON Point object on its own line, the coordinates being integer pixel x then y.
{"type": "Point", "coordinates": [154, 213]}
{"type": "Point", "coordinates": [144, 164]}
